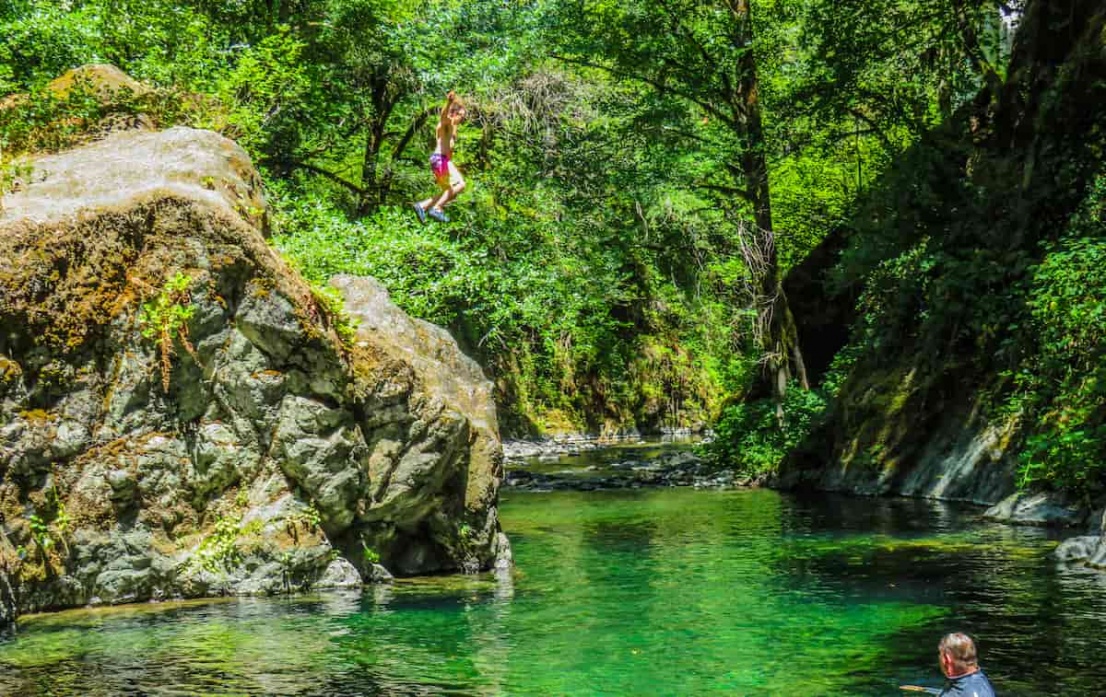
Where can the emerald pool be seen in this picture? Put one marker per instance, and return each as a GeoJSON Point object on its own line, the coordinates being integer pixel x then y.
{"type": "Point", "coordinates": [643, 592]}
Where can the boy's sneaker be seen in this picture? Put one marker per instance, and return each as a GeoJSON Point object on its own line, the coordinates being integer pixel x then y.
{"type": "Point", "coordinates": [421, 212]}
{"type": "Point", "coordinates": [437, 214]}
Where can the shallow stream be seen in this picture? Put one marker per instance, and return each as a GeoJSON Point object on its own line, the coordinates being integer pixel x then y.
{"type": "Point", "coordinates": [643, 592]}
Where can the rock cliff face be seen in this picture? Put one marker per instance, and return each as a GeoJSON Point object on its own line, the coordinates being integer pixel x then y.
{"type": "Point", "coordinates": [925, 278]}
{"type": "Point", "coordinates": [182, 415]}
{"type": "Point", "coordinates": [885, 440]}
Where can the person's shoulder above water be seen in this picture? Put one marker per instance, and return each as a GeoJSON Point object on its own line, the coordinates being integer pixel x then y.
{"type": "Point", "coordinates": [971, 685]}
{"type": "Point", "coordinates": [960, 664]}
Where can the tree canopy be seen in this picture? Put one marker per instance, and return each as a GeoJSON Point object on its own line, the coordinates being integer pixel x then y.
{"type": "Point", "coordinates": [642, 175]}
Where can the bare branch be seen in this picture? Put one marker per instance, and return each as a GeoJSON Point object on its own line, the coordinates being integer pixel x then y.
{"type": "Point", "coordinates": [297, 164]}
{"type": "Point", "coordinates": [873, 128]}
{"type": "Point", "coordinates": [705, 105]}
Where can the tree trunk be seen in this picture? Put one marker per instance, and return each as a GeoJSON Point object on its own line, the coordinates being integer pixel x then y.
{"type": "Point", "coordinates": [779, 336]}
{"type": "Point", "coordinates": [373, 192]}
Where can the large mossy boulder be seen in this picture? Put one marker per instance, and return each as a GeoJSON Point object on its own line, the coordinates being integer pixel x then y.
{"type": "Point", "coordinates": [182, 415]}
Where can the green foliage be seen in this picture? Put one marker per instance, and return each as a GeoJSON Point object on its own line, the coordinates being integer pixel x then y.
{"type": "Point", "coordinates": [331, 301]}
{"type": "Point", "coordinates": [898, 68]}
{"type": "Point", "coordinates": [219, 549]}
{"type": "Point", "coordinates": [370, 555]}
{"type": "Point", "coordinates": [1060, 388]}
{"type": "Point", "coordinates": [13, 174]}
{"type": "Point", "coordinates": [165, 319]}
{"type": "Point", "coordinates": [40, 533]}
{"type": "Point", "coordinates": [43, 39]}
{"type": "Point", "coordinates": [267, 93]}
{"type": "Point", "coordinates": [49, 526]}
{"type": "Point", "coordinates": [752, 437]}
{"type": "Point", "coordinates": [43, 121]}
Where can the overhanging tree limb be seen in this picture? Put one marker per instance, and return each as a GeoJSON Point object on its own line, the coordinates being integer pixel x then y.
{"type": "Point", "coordinates": [418, 122]}
{"type": "Point", "coordinates": [298, 164]}
{"type": "Point", "coordinates": [728, 190]}
{"type": "Point", "coordinates": [652, 82]}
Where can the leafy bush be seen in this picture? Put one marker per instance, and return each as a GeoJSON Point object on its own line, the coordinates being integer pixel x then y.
{"type": "Point", "coordinates": [752, 438]}
{"type": "Point", "coordinates": [164, 320]}
{"type": "Point", "coordinates": [553, 326]}
{"type": "Point", "coordinates": [1061, 386]}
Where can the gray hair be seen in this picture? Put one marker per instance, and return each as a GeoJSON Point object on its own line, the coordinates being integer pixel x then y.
{"type": "Point", "coordinates": [961, 649]}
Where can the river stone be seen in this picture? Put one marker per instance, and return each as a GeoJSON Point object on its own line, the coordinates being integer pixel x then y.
{"type": "Point", "coordinates": [1077, 549]}
{"type": "Point", "coordinates": [252, 451]}
{"type": "Point", "coordinates": [339, 574]}
{"type": "Point", "coordinates": [104, 81]}
{"type": "Point", "coordinates": [1086, 550]}
{"type": "Point", "coordinates": [1037, 509]}
{"type": "Point", "coordinates": [378, 574]}
{"type": "Point", "coordinates": [504, 556]}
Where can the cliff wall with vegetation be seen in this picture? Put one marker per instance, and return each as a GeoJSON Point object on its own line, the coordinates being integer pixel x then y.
{"type": "Point", "coordinates": [974, 367]}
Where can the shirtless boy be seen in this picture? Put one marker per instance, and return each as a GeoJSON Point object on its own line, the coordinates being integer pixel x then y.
{"type": "Point", "coordinates": [445, 172]}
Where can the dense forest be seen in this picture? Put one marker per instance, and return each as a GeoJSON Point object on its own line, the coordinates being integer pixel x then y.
{"type": "Point", "coordinates": [679, 213]}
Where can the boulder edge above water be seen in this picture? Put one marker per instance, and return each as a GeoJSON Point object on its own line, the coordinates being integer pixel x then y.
{"type": "Point", "coordinates": [277, 448]}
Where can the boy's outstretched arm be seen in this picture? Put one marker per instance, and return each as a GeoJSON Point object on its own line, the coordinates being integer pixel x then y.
{"type": "Point", "coordinates": [449, 99]}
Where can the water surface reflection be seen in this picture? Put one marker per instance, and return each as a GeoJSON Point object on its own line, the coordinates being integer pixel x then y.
{"type": "Point", "coordinates": [664, 592]}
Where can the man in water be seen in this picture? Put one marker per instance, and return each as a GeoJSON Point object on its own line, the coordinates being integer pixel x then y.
{"type": "Point", "coordinates": [960, 666]}
{"type": "Point", "coordinates": [445, 172]}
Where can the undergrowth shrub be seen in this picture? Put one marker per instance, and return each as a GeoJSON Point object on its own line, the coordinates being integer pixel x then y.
{"type": "Point", "coordinates": [569, 345]}
{"type": "Point", "coordinates": [1060, 388]}
{"type": "Point", "coordinates": [752, 439]}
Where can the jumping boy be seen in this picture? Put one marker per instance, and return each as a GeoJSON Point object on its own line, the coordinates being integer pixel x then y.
{"type": "Point", "coordinates": [445, 172]}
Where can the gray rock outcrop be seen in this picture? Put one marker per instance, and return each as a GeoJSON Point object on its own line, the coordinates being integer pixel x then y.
{"type": "Point", "coordinates": [1086, 550]}
{"type": "Point", "coordinates": [182, 415]}
{"type": "Point", "coordinates": [875, 444]}
{"type": "Point", "coordinates": [1040, 508]}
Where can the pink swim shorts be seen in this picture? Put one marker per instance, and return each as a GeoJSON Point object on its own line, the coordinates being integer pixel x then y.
{"type": "Point", "coordinates": [439, 165]}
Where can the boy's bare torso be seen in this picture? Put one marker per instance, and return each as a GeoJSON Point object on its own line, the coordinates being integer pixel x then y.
{"type": "Point", "coordinates": [447, 138]}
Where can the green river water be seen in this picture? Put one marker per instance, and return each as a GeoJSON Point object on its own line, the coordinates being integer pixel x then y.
{"type": "Point", "coordinates": [645, 592]}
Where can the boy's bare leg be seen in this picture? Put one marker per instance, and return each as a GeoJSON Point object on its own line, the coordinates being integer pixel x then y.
{"type": "Point", "coordinates": [447, 197]}
{"type": "Point", "coordinates": [433, 200]}
{"type": "Point", "coordinates": [456, 185]}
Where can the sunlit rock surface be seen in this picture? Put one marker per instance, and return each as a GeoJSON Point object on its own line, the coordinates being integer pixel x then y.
{"type": "Point", "coordinates": [249, 449]}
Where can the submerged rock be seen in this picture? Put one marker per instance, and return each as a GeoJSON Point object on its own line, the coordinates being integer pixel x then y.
{"type": "Point", "coordinates": [179, 415]}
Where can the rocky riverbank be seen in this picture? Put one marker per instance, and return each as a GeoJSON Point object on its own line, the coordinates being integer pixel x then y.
{"type": "Point", "coordinates": [571, 466]}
